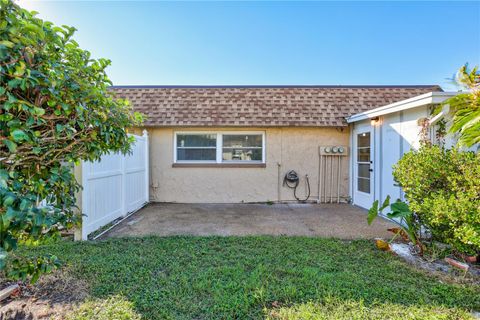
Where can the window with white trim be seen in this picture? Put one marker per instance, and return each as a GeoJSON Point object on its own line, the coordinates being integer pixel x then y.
{"type": "Point", "coordinates": [197, 147]}
{"type": "Point", "coordinates": [219, 147]}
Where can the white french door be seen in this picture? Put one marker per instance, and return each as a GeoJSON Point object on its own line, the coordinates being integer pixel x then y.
{"type": "Point", "coordinates": [363, 167]}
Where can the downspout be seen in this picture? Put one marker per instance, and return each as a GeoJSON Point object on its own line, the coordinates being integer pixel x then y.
{"type": "Point", "coordinates": [339, 164]}
{"type": "Point", "coordinates": [319, 200]}
{"type": "Point", "coordinates": [350, 159]}
{"type": "Point", "coordinates": [279, 167]}
{"type": "Point", "coordinates": [380, 160]}
{"type": "Point", "coordinates": [402, 151]}
{"type": "Point", "coordinates": [374, 162]}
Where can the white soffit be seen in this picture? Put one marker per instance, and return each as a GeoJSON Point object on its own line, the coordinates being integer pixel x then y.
{"type": "Point", "coordinates": [421, 100]}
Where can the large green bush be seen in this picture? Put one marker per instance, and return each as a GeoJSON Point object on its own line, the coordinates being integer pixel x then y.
{"type": "Point", "coordinates": [55, 110]}
{"type": "Point", "coordinates": [443, 188]}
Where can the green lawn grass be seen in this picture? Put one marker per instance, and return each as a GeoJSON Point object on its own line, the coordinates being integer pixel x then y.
{"type": "Point", "coordinates": [255, 278]}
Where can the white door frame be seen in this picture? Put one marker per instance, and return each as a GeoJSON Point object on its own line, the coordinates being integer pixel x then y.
{"type": "Point", "coordinates": [362, 198]}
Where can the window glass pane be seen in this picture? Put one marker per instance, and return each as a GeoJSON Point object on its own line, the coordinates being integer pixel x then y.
{"type": "Point", "coordinates": [363, 155]}
{"type": "Point", "coordinates": [364, 170]}
{"type": "Point", "coordinates": [242, 154]}
{"type": "Point", "coordinates": [198, 154]}
{"type": "Point", "coordinates": [196, 140]}
{"type": "Point", "coordinates": [244, 140]}
{"type": "Point", "coordinates": [363, 140]}
{"type": "Point", "coordinates": [363, 185]}
{"type": "Point", "coordinates": [242, 147]}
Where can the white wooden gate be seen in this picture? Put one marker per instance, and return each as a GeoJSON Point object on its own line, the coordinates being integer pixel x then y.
{"type": "Point", "coordinates": [114, 186]}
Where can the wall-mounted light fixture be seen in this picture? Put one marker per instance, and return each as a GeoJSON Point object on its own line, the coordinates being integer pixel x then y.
{"type": "Point", "coordinates": [374, 121]}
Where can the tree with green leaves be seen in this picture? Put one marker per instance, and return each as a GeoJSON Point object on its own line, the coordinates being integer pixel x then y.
{"type": "Point", "coordinates": [55, 111]}
{"type": "Point", "coordinates": [465, 107]}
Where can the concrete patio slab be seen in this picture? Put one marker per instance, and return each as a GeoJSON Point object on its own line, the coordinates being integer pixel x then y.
{"type": "Point", "coordinates": [325, 220]}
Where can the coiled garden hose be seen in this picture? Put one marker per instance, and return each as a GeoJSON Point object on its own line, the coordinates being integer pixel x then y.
{"type": "Point", "coordinates": [292, 181]}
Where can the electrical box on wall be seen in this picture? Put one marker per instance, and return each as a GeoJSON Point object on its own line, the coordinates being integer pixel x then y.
{"type": "Point", "coordinates": [333, 151]}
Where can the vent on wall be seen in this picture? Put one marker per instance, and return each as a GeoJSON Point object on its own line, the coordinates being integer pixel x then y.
{"type": "Point", "coordinates": [330, 173]}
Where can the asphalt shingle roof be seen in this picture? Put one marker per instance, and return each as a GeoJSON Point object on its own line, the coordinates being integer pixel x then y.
{"type": "Point", "coordinates": [261, 106]}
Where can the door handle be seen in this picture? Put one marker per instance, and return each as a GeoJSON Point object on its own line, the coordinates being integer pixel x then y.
{"type": "Point", "coordinates": [371, 170]}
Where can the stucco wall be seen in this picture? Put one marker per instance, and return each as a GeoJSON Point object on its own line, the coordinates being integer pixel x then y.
{"type": "Point", "coordinates": [292, 148]}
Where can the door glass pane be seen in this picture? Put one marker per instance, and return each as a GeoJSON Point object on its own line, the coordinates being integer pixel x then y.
{"type": "Point", "coordinates": [197, 154]}
{"type": "Point", "coordinates": [363, 155]}
{"type": "Point", "coordinates": [363, 162]}
{"type": "Point", "coordinates": [363, 185]}
{"type": "Point", "coordinates": [364, 170]}
{"type": "Point", "coordinates": [363, 140]}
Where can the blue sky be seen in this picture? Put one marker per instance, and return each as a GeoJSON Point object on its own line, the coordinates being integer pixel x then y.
{"type": "Point", "coordinates": [274, 42]}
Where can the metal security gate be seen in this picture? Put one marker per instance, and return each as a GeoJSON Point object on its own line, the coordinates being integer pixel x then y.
{"type": "Point", "coordinates": [114, 186]}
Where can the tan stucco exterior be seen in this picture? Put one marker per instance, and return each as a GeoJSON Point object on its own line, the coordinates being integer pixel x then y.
{"type": "Point", "coordinates": [285, 149]}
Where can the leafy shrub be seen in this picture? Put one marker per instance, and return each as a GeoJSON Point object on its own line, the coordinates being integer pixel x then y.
{"type": "Point", "coordinates": [443, 188]}
{"type": "Point", "coordinates": [409, 225]}
{"type": "Point", "coordinates": [55, 111]}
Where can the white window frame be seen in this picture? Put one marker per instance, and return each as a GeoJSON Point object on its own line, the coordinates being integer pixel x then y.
{"type": "Point", "coordinates": [219, 146]}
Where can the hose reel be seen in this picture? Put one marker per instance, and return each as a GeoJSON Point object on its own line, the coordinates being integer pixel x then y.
{"type": "Point", "coordinates": [292, 180]}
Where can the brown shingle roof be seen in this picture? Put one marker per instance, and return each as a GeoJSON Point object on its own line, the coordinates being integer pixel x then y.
{"type": "Point", "coordinates": [263, 106]}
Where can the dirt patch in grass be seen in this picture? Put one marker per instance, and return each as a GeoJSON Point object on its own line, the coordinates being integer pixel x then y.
{"type": "Point", "coordinates": [52, 297]}
{"type": "Point", "coordinates": [437, 267]}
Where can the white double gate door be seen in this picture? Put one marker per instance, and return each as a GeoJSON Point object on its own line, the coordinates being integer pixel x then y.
{"type": "Point", "coordinates": [114, 186]}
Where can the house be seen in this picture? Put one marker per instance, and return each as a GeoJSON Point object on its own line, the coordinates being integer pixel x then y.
{"type": "Point", "coordinates": [232, 144]}
{"type": "Point", "coordinates": [389, 132]}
